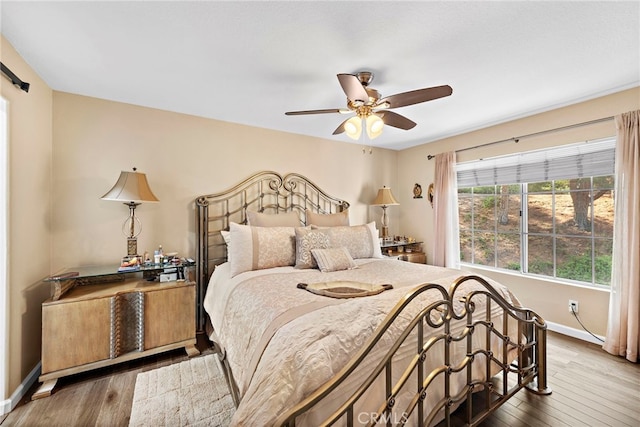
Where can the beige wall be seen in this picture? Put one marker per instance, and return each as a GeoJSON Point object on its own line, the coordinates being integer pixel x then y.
{"type": "Point", "coordinates": [416, 215]}
{"type": "Point", "coordinates": [30, 146]}
{"type": "Point", "coordinates": [183, 157]}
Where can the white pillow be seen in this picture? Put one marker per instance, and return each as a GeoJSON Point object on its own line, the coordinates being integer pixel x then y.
{"type": "Point", "coordinates": [333, 259]}
{"type": "Point", "coordinates": [256, 248]}
{"type": "Point", "coordinates": [226, 235]}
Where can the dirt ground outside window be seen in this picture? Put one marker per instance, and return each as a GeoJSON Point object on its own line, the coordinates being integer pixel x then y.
{"type": "Point", "coordinates": [573, 245]}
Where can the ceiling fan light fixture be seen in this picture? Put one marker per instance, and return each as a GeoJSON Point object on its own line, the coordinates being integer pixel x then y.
{"type": "Point", "coordinates": [371, 110]}
{"type": "Point", "coordinates": [375, 125]}
{"type": "Point", "coordinates": [353, 127]}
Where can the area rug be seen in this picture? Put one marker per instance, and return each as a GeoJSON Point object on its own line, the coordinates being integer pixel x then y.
{"type": "Point", "coordinates": [189, 393]}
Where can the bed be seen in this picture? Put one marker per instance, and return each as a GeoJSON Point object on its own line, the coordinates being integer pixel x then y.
{"type": "Point", "coordinates": [315, 326]}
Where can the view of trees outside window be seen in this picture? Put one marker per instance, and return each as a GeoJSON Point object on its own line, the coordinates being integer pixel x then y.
{"type": "Point", "coordinates": [561, 228]}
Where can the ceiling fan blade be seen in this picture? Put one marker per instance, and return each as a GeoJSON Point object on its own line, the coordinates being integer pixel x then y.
{"type": "Point", "coordinates": [340, 128]}
{"type": "Point", "coordinates": [299, 113]}
{"type": "Point", "coordinates": [417, 96]}
{"type": "Point", "coordinates": [396, 120]}
{"type": "Point", "coordinates": [353, 88]}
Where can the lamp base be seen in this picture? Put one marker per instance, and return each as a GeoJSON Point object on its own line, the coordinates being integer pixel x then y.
{"type": "Point", "coordinates": [132, 246]}
{"type": "Point", "coordinates": [385, 222]}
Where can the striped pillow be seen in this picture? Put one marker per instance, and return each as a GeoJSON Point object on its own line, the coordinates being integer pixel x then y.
{"type": "Point", "coordinates": [333, 259]}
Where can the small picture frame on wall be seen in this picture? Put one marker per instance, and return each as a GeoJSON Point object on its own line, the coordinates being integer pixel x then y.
{"type": "Point", "coordinates": [417, 191]}
{"type": "Point", "coordinates": [430, 193]}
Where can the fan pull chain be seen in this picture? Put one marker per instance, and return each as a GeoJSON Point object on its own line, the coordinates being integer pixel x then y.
{"type": "Point", "coordinates": [365, 138]}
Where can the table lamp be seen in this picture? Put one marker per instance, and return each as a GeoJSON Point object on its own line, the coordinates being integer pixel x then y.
{"type": "Point", "coordinates": [385, 198]}
{"type": "Point", "coordinates": [131, 188]}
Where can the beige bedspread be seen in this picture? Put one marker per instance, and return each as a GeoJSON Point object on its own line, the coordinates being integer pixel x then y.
{"type": "Point", "coordinates": [282, 343]}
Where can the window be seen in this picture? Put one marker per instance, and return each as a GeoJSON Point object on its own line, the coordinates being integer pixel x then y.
{"type": "Point", "coordinates": [545, 212]}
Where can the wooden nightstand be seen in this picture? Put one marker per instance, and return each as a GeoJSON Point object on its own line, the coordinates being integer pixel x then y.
{"type": "Point", "coordinates": [99, 318]}
{"type": "Point", "coordinates": [411, 252]}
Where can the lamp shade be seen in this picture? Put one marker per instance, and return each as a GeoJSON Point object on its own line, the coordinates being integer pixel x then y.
{"type": "Point", "coordinates": [353, 127]}
{"type": "Point", "coordinates": [374, 126]}
{"type": "Point", "coordinates": [385, 198]}
{"type": "Point", "coordinates": [372, 123]}
{"type": "Point", "coordinates": [131, 187]}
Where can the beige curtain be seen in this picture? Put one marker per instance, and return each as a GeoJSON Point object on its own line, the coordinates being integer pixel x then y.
{"type": "Point", "coordinates": [623, 333]}
{"type": "Point", "coordinates": [446, 237]}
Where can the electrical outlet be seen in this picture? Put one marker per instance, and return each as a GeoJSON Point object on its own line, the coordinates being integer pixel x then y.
{"type": "Point", "coordinates": [573, 306]}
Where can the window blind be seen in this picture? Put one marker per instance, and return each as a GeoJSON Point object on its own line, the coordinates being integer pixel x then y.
{"type": "Point", "coordinates": [592, 158]}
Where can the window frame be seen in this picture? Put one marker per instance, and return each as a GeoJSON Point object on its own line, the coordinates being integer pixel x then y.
{"type": "Point", "coordinates": [471, 229]}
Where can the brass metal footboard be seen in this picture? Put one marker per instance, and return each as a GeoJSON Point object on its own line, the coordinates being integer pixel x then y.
{"type": "Point", "coordinates": [462, 359]}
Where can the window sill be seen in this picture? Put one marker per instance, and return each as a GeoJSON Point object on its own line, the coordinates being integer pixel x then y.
{"type": "Point", "coordinates": [553, 281]}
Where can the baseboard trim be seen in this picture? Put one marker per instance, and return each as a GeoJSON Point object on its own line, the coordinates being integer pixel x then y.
{"type": "Point", "coordinates": [7, 406]}
{"type": "Point", "coordinates": [574, 333]}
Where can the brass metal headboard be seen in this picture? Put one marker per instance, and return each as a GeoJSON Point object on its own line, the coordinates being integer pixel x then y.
{"type": "Point", "coordinates": [265, 191]}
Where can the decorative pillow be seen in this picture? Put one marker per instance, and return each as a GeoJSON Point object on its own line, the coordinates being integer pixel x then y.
{"type": "Point", "coordinates": [333, 259]}
{"type": "Point", "coordinates": [328, 220]}
{"type": "Point", "coordinates": [255, 248]}
{"type": "Point", "coordinates": [306, 240]}
{"type": "Point", "coordinates": [361, 240]}
{"type": "Point", "coordinates": [261, 219]}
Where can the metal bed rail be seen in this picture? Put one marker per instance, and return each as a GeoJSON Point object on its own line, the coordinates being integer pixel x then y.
{"type": "Point", "coordinates": [520, 362]}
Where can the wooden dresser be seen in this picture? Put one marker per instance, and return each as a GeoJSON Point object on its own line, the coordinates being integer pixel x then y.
{"type": "Point", "coordinates": [103, 319]}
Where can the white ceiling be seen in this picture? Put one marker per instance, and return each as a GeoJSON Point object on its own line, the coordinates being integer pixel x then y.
{"type": "Point", "coordinates": [249, 62]}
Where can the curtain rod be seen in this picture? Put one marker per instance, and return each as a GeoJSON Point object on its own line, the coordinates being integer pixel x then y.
{"type": "Point", "coordinates": [14, 79]}
{"type": "Point", "coordinates": [517, 139]}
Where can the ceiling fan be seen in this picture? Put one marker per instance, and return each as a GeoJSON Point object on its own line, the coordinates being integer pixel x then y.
{"type": "Point", "coordinates": [371, 109]}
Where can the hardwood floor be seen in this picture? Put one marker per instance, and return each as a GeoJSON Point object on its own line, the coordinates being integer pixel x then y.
{"type": "Point", "coordinates": [96, 398]}
{"type": "Point", "coordinates": [590, 388]}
